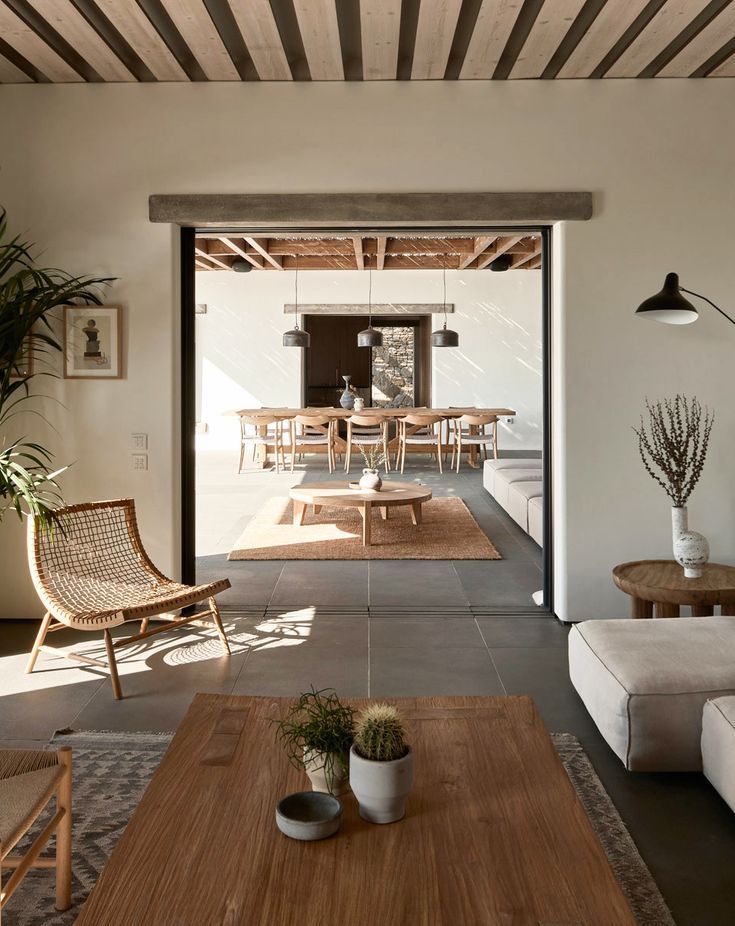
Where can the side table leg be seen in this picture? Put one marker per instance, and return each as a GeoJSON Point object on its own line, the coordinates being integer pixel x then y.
{"type": "Point", "coordinates": [640, 608]}
{"type": "Point", "coordinates": [666, 609]}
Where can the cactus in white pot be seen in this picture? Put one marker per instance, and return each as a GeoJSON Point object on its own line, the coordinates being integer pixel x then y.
{"type": "Point", "coordinates": [381, 764]}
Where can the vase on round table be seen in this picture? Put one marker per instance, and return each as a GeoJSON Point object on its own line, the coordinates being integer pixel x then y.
{"type": "Point", "coordinates": [691, 549]}
{"type": "Point", "coordinates": [347, 399]}
{"type": "Point", "coordinates": [370, 480]}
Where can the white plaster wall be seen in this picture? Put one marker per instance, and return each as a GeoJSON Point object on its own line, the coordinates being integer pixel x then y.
{"type": "Point", "coordinates": [241, 362]}
{"type": "Point", "coordinates": [77, 164]}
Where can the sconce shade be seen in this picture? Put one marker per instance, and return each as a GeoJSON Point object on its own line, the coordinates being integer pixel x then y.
{"type": "Point", "coordinates": [369, 337]}
{"type": "Point", "coordinates": [296, 338]}
{"type": "Point", "coordinates": [444, 337]}
{"type": "Point", "coordinates": [668, 306]}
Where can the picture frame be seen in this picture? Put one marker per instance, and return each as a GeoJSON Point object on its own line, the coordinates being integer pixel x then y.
{"type": "Point", "coordinates": [92, 342]}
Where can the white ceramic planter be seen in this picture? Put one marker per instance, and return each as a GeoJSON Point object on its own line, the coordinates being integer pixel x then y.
{"type": "Point", "coordinates": [691, 549]}
{"type": "Point", "coordinates": [381, 788]}
{"type": "Point", "coordinates": [332, 780]}
{"type": "Point", "coordinates": [370, 480]}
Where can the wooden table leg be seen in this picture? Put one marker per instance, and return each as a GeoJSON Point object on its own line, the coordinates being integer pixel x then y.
{"type": "Point", "coordinates": [317, 508]}
{"type": "Point", "coordinates": [385, 512]}
{"type": "Point", "coordinates": [702, 610]}
{"type": "Point", "coordinates": [666, 609]}
{"type": "Point", "coordinates": [367, 514]}
{"type": "Point", "coordinates": [299, 510]}
{"type": "Point", "coordinates": [640, 608]}
{"type": "Point", "coordinates": [416, 515]}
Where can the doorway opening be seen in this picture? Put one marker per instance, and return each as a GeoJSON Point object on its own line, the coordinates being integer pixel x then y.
{"type": "Point", "coordinates": [240, 520]}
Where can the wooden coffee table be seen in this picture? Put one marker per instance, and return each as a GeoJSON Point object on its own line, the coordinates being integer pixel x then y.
{"type": "Point", "coordinates": [660, 584]}
{"type": "Point", "coordinates": [340, 495]}
{"type": "Point", "coordinates": [494, 832]}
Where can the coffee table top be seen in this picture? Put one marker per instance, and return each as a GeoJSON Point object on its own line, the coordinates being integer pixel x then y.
{"type": "Point", "coordinates": [341, 495]}
{"type": "Point", "coordinates": [494, 831]}
{"type": "Point", "coordinates": [663, 580]}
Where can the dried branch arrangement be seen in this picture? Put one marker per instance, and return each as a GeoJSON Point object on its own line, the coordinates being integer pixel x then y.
{"type": "Point", "coordinates": [673, 444]}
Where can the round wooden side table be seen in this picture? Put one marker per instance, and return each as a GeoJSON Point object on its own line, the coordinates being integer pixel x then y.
{"type": "Point", "coordinates": [659, 586]}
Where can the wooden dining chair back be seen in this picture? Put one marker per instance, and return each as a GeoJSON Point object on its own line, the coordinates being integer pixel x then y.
{"type": "Point", "coordinates": [260, 431]}
{"type": "Point", "coordinates": [29, 779]}
{"type": "Point", "coordinates": [312, 431]}
{"type": "Point", "coordinates": [367, 431]}
{"type": "Point", "coordinates": [92, 573]}
{"type": "Point", "coordinates": [470, 433]}
{"type": "Point", "coordinates": [420, 430]}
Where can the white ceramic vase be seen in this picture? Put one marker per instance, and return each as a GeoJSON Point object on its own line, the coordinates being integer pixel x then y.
{"type": "Point", "coordinates": [330, 779]}
{"type": "Point", "coordinates": [370, 480]}
{"type": "Point", "coordinates": [381, 788]}
{"type": "Point", "coordinates": [359, 404]}
{"type": "Point", "coordinates": [691, 549]}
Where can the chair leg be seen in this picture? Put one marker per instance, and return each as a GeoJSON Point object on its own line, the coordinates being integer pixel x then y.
{"type": "Point", "coordinates": [439, 454]}
{"type": "Point", "coordinates": [114, 677]}
{"type": "Point", "coordinates": [218, 621]}
{"type": "Point", "coordinates": [242, 456]}
{"type": "Point", "coordinates": [40, 637]}
{"type": "Point", "coordinates": [63, 832]}
{"type": "Point", "coordinates": [459, 452]}
{"type": "Point", "coordinates": [144, 624]}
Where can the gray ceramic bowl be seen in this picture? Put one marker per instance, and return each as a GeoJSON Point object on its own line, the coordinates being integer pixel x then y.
{"type": "Point", "coordinates": [309, 815]}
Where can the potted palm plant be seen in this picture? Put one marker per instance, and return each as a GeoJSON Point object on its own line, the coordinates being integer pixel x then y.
{"type": "Point", "coordinates": [28, 296]}
{"type": "Point", "coordinates": [317, 732]}
{"type": "Point", "coordinates": [381, 764]}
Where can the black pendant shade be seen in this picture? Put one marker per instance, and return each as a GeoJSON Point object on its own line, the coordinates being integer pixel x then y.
{"type": "Point", "coordinates": [502, 263]}
{"type": "Point", "coordinates": [296, 338]}
{"type": "Point", "coordinates": [240, 265]}
{"type": "Point", "coordinates": [668, 306]}
{"type": "Point", "coordinates": [444, 337]}
{"type": "Point", "coordinates": [369, 337]}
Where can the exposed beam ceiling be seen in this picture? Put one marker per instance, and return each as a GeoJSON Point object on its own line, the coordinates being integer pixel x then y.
{"type": "Point", "coordinates": [70, 41]}
{"type": "Point", "coordinates": [215, 251]}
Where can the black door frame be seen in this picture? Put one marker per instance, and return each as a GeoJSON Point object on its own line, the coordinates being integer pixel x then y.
{"type": "Point", "coordinates": [188, 378]}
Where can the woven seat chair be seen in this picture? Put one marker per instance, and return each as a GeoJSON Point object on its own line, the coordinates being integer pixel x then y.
{"type": "Point", "coordinates": [29, 778]}
{"type": "Point", "coordinates": [92, 573]}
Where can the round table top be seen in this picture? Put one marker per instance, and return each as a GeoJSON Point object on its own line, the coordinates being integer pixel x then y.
{"type": "Point", "coordinates": [663, 580]}
{"type": "Point", "coordinates": [341, 495]}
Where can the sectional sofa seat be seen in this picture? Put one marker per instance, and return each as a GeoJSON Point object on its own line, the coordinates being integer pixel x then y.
{"type": "Point", "coordinates": [645, 684]}
{"type": "Point", "coordinates": [515, 483]}
{"type": "Point", "coordinates": [718, 746]}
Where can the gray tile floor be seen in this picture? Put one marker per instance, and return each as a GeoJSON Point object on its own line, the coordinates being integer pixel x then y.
{"type": "Point", "coordinates": [226, 502]}
{"type": "Point", "coordinates": [683, 829]}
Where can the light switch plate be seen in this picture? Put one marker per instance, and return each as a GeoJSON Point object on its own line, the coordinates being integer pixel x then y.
{"type": "Point", "coordinates": [138, 441]}
{"type": "Point", "coordinates": [140, 461]}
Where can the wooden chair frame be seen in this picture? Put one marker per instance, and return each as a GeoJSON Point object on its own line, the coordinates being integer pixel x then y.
{"type": "Point", "coordinates": [60, 824]}
{"type": "Point", "coordinates": [80, 599]}
{"type": "Point", "coordinates": [263, 437]}
{"type": "Point", "coordinates": [377, 435]}
{"type": "Point", "coordinates": [318, 426]}
{"type": "Point", "coordinates": [417, 423]}
{"type": "Point", "coordinates": [480, 440]}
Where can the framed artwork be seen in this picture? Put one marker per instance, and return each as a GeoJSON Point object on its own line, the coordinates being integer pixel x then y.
{"type": "Point", "coordinates": [92, 342]}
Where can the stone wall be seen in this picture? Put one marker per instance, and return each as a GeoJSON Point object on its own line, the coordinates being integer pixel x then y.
{"type": "Point", "coordinates": [393, 368]}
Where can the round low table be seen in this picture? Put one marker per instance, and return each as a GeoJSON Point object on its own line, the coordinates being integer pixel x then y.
{"type": "Point", "coordinates": [340, 495]}
{"type": "Point", "coordinates": [660, 584]}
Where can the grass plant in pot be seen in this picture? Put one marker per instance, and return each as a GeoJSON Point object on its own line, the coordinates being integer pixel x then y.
{"type": "Point", "coordinates": [381, 764]}
{"type": "Point", "coordinates": [317, 732]}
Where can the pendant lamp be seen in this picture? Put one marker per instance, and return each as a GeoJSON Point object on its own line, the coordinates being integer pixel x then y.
{"type": "Point", "coordinates": [444, 337]}
{"type": "Point", "coordinates": [369, 337]}
{"type": "Point", "coordinates": [296, 337]}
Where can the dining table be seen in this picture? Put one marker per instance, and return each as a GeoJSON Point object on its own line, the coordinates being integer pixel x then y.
{"type": "Point", "coordinates": [379, 413]}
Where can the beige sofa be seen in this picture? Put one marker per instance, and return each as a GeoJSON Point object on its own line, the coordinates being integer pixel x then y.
{"type": "Point", "coordinates": [516, 485]}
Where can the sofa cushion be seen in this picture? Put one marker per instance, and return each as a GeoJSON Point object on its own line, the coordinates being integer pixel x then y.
{"type": "Point", "coordinates": [519, 495]}
{"type": "Point", "coordinates": [645, 683]}
{"type": "Point", "coordinates": [490, 467]}
{"type": "Point", "coordinates": [718, 746]}
{"type": "Point", "coordinates": [504, 478]}
{"type": "Point", "coordinates": [536, 518]}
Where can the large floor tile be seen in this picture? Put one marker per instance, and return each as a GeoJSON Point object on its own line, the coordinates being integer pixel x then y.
{"type": "Point", "coordinates": [252, 582]}
{"type": "Point", "coordinates": [333, 584]}
{"type": "Point", "coordinates": [499, 584]}
{"type": "Point", "coordinates": [523, 630]}
{"type": "Point", "coordinates": [399, 671]}
{"type": "Point", "coordinates": [413, 585]}
{"type": "Point", "coordinates": [416, 632]}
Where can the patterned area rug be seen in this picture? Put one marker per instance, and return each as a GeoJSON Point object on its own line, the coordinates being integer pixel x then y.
{"type": "Point", "coordinates": [448, 531]}
{"type": "Point", "coordinates": [111, 772]}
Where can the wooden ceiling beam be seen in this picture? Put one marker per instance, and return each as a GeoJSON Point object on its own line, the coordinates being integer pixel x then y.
{"type": "Point", "coordinates": [533, 264]}
{"type": "Point", "coordinates": [699, 50]}
{"type": "Point", "coordinates": [380, 255]}
{"type": "Point", "coordinates": [726, 69]}
{"type": "Point", "coordinates": [262, 39]}
{"type": "Point", "coordinates": [10, 74]}
{"type": "Point", "coordinates": [320, 36]}
{"type": "Point", "coordinates": [500, 247]}
{"type": "Point", "coordinates": [616, 17]}
{"type": "Point", "coordinates": [261, 246]}
{"type": "Point", "coordinates": [380, 26]}
{"type": "Point", "coordinates": [195, 24]}
{"type": "Point", "coordinates": [210, 257]}
{"type": "Point", "coordinates": [34, 49]}
{"type": "Point", "coordinates": [437, 24]}
{"type": "Point", "coordinates": [359, 254]}
{"type": "Point", "coordinates": [481, 244]}
{"type": "Point", "coordinates": [239, 250]}
{"type": "Point", "coordinates": [493, 26]}
{"type": "Point", "coordinates": [545, 36]}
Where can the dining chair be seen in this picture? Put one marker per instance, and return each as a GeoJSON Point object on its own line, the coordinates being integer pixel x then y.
{"type": "Point", "coordinates": [470, 433]}
{"type": "Point", "coordinates": [367, 431]}
{"type": "Point", "coordinates": [422, 430]}
{"type": "Point", "coordinates": [262, 431]}
{"type": "Point", "coordinates": [312, 431]}
{"type": "Point", "coordinates": [29, 780]}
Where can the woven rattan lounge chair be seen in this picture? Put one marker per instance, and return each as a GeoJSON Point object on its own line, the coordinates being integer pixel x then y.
{"type": "Point", "coordinates": [29, 778]}
{"type": "Point", "coordinates": [92, 573]}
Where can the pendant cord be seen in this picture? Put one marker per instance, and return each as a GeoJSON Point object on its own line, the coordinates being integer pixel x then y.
{"type": "Point", "coordinates": [370, 297]}
{"type": "Point", "coordinates": [296, 292]}
{"type": "Point", "coordinates": [444, 279]}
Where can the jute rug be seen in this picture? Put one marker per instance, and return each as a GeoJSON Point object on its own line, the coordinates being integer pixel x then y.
{"type": "Point", "coordinates": [448, 531]}
{"type": "Point", "coordinates": [111, 771]}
